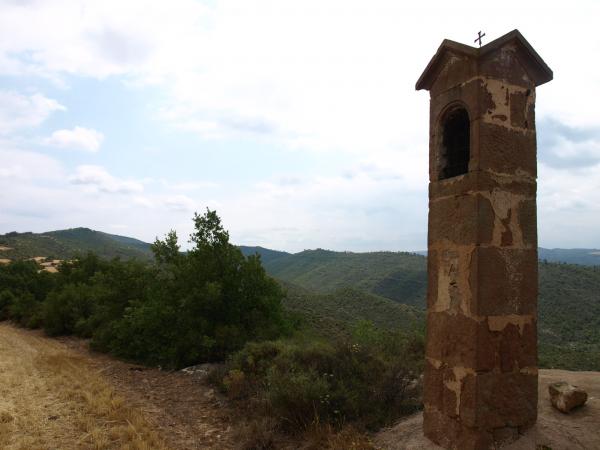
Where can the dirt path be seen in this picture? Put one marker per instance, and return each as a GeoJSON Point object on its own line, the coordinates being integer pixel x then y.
{"type": "Point", "coordinates": [54, 395]}
{"type": "Point", "coordinates": [554, 430]}
{"type": "Point", "coordinates": [186, 412]}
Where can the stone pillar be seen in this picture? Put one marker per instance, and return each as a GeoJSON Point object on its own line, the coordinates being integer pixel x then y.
{"type": "Point", "coordinates": [481, 355]}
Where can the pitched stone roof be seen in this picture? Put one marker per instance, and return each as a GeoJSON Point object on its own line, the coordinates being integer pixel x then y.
{"type": "Point", "coordinates": [537, 69]}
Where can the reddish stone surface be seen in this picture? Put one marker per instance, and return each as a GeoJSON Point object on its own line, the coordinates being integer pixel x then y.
{"type": "Point", "coordinates": [505, 281]}
{"type": "Point", "coordinates": [506, 399]}
{"type": "Point", "coordinates": [507, 151]}
{"type": "Point", "coordinates": [464, 219]}
{"type": "Point", "coordinates": [433, 271]}
{"type": "Point", "coordinates": [457, 68]}
{"type": "Point", "coordinates": [482, 263]}
{"type": "Point", "coordinates": [518, 110]}
{"type": "Point", "coordinates": [481, 181]}
{"type": "Point", "coordinates": [527, 218]}
{"type": "Point", "coordinates": [452, 434]}
{"type": "Point", "coordinates": [505, 65]}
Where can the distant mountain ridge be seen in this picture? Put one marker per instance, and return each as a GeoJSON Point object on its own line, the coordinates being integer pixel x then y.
{"type": "Point", "coordinates": [583, 256]}
{"type": "Point", "coordinates": [65, 244]}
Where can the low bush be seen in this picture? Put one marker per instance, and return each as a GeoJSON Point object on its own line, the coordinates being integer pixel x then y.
{"type": "Point", "coordinates": [369, 379]}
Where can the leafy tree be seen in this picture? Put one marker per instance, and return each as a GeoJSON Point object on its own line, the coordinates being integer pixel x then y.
{"type": "Point", "coordinates": [201, 305]}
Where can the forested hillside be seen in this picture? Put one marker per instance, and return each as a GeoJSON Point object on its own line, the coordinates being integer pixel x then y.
{"type": "Point", "coordinates": [397, 276]}
{"type": "Point", "coordinates": [584, 256]}
{"type": "Point", "coordinates": [339, 284]}
{"type": "Point", "coordinates": [339, 311]}
{"type": "Point", "coordinates": [65, 244]}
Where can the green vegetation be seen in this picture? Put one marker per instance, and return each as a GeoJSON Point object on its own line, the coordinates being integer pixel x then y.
{"type": "Point", "coordinates": [368, 379]}
{"type": "Point", "coordinates": [569, 316]}
{"type": "Point", "coordinates": [335, 313]}
{"type": "Point", "coordinates": [569, 299]}
{"type": "Point", "coordinates": [184, 309]}
{"type": "Point", "coordinates": [266, 255]}
{"type": "Point", "coordinates": [66, 244]}
{"type": "Point", "coordinates": [398, 276]}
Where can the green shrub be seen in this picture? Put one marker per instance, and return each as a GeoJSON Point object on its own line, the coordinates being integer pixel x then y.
{"type": "Point", "coordinates": [369, 379]}
{"type": "Point", "coordinates": [66, 311]}
{"type": "Point", "coordinates": [7, 298]}
{"type": "Point", "coordinates": [25, 310]}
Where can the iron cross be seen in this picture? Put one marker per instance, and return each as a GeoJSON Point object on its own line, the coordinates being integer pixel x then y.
{"type": "Point", "coordinates": [479, 36]}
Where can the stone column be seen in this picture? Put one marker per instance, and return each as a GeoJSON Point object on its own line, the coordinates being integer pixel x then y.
{"type": "Point", "coordinates": [481, 354]}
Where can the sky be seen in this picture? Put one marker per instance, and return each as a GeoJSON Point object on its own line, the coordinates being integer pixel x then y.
{"type": "Point", "coordinates": [298, 121]}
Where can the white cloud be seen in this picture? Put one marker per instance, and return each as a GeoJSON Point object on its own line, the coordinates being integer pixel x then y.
{"type": "Point", "coordinates": [21, 165]}
{"type": "Point", "coordinates": [331, 76]}
{"type": "Point", "coordinates": [188, 185]}
{"type": "Point", "coordinates": [79, 138]}
{"type": "Point", "coordinates": [18, 111]}
{"type": "Point", "coordinates": [181, 203]}
{"type": "Point", "coordinates": [568, 206]}
{"type": "Point", "coordinates": [97, 179]}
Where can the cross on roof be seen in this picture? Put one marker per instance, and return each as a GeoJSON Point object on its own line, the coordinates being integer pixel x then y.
{"type": "Point", "coordinates": [479, 36]}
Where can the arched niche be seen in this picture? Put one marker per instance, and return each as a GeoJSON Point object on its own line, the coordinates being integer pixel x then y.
{"type": "Point", "coordinates": [455, 143]}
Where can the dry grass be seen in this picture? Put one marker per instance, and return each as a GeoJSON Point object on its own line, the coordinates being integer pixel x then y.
{"type": "Point", "coordinates": [262, 433]}
{"type": "Point", "coordinates": [51, 398]}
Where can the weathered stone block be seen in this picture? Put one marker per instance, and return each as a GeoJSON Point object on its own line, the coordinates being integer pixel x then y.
{"type": "Point", "coordinates": [462, 220]}
{"type": "Point", "coordinates": [565, 396]}
{"type": "Point", "coordinates": [432, 276]}
{"type": "Point", "coordinates": [481, 181]}
{"type": "Point", "coordinates": [472, 93]}
{"type": "Point", "coordinates": [518, 110]}
{"type": "Point", "coordinates": [504, 281]}
{"type": "Point", "coordinates": [507, 151]}
{"type": "Point", "coordinates": [455, 69]}
{"type": "Point", "coordinates": [505, 400]}
{"type": "Point", "coordinates": [433, 384]}
{"type": "Point", "coordinates": [451, 433]}
{"type": "Point", "coordinates": [505, 65]}
{"type": "Point", "coordinates": [459, 341]}
{"type": "Point", "coordinates": [451, 338]}
{"type": "Point", "coordinates": [527, 218]}
{"type": "Point", "coordinates": [517, 347]}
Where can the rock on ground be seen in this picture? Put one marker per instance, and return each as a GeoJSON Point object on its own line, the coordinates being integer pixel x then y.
{"type": "Point", "coordinates": [565, 396]}
{"type": "Point", "coordinates": [555, 430]}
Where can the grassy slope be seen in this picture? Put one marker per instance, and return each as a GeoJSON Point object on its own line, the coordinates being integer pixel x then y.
{"type": "Point", "coordinates": [396, 276]}
{"type": "Point", "coordinates": [64, 244]}
{"type": "Point", "coordinates": [569, 300]}
{"type": "Point", "coordinates": [338, 311]}
{"type": "Point", "coordinates": [569, 316]}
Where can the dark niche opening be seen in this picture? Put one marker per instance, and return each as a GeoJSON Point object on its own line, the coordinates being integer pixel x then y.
{"type": "Point", "coordinates": [455, 144]}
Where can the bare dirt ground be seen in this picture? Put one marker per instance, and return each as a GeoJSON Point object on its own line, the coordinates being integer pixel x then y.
{"type": "Point", "coordinates": [579, 430]}
{"type": "Point", "coordinates": [51, 398]}
{"type": "Point", "coordinates": [187, 413]}
{"type": "Point", "coordinates": [57, 395]}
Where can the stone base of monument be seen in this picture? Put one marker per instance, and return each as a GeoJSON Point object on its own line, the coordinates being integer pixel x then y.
{"type": "Point", "coordinates": [554, 430]}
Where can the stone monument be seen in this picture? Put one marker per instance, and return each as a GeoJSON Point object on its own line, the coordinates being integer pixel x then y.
{"type": "Point", "coordinates": [481, 377]}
